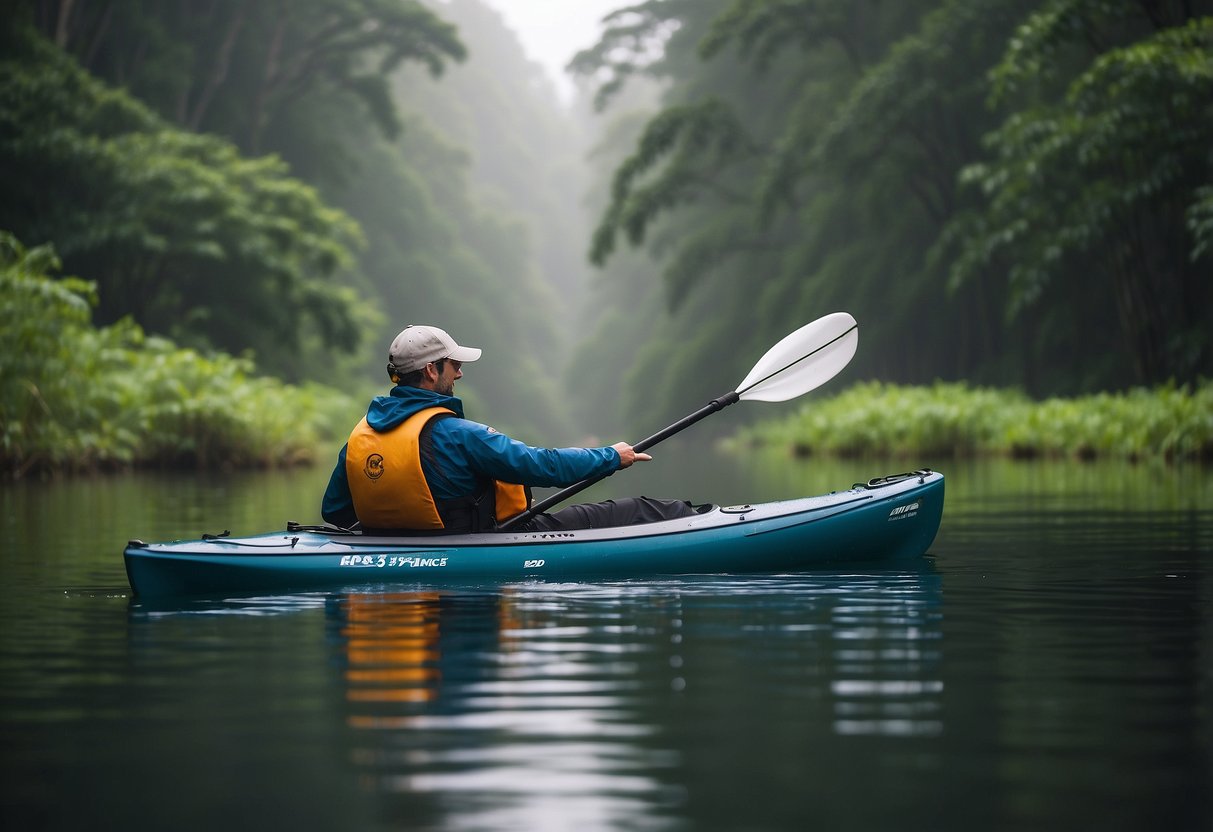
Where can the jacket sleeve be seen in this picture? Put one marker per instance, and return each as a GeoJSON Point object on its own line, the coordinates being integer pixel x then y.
{"type": "Point", "coordinates": [338, 504]}
{"type": "Point", "coordinates": [500, 457]}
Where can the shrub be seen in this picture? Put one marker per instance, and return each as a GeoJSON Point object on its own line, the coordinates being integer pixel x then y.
{"type": "Point", "coordinates": [78, 397]}
{"type": "Point", "coordinates": [950, 419]}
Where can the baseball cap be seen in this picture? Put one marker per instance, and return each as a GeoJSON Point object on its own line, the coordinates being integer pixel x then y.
{"type": "Point", "coordinates": [417, 346]}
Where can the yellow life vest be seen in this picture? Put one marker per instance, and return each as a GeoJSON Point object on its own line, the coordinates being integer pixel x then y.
{"type": "Point", "coordinates": [388, 485]}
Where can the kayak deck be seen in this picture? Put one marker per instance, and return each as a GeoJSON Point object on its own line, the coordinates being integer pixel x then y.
{"type": "Point", "coordinates": [889, 517]}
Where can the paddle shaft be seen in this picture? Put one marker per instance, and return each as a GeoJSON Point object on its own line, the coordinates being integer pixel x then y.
{"type": "Point", "coordinates": [711, 407]}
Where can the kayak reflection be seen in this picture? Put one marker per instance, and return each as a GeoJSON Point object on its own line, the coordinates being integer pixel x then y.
{"type": "Point", "coordinates": [594, 704]}
{"type": "Point", "coordinates": [452, 693]}
{"type": "Point", "coordinates": [589, 703]}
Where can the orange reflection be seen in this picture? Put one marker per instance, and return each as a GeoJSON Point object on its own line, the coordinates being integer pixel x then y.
{"type": "Point", "coordinates": [391, 649]}
{"type": "Point", "coordinates": [509, 619]}
{"type": "Point", "coordinates": [392, 644]}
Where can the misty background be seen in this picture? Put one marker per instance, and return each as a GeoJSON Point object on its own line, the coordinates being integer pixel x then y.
{"type": "Point", "coordinates": [1016, 194]}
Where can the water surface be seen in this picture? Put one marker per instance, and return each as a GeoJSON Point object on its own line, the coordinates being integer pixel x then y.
{"type": "Point", "coordinates": [1049, 665]}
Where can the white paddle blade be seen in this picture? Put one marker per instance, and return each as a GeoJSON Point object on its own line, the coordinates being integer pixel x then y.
{"type": "Point", "coordinates": [804, 360]}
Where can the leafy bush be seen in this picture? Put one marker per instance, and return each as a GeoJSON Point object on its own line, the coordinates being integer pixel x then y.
{"type": "Point", "coordinates": [181, 230]}
{"type": "Point", "coordinates": [1170, 422]}
{"type": "Point", "coordinates": [77, 397]}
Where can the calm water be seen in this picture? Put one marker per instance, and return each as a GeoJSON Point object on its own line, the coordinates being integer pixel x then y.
{"type": "Point", "coordinates": [1049, 665]}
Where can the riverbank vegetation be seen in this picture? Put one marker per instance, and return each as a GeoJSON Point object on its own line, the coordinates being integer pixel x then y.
{"type": "Point", "coordinates": [76, 397]}
{"type": "Point", "coordinates": [179, 230]}
{"type": "Point", "coordinates": [303, 185]}
{"type": "Point", "coordinates": [1015, 193]}
{"type": "Point", "coordinates": [1171, 423]}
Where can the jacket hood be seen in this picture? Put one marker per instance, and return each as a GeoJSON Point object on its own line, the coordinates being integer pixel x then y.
{"type": "Point", "coordinates": [386, 412]}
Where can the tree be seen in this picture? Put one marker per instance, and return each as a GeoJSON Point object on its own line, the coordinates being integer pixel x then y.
{"type": "Point", "coordinates": [717, 181]}
{"type": "Point", "coordinates": [821, 154]}
{"type": "Point", "coordinates": [458, 183]}
{"type": "Point", "coordinates": [179, 229]}
{"type": "Point", "coordinates": [1099, 184]}
{"type": "Point", "coordinates": [240, 69]}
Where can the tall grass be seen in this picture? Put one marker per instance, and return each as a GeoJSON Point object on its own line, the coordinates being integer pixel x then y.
{"type": "Point", "coordinates": [954, 419]}
{"type": "Point", "coordinates": [78, 397]}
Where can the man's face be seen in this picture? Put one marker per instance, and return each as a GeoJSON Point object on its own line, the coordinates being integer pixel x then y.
{"type": "Point", "coordinates": [446, 379]}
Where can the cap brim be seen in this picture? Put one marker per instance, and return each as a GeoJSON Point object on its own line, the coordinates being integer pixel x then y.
{"type": "Point", "coordinates": [464, 354]}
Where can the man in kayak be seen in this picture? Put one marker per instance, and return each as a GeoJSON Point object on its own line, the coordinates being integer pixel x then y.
{"type": "Point", "coordinates": [414, 463]}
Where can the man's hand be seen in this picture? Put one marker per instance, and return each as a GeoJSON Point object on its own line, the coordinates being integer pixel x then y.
{"type": "Point", "coordinates": [628, 455]}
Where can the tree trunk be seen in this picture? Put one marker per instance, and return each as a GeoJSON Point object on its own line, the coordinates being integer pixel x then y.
{"type": "Point", "coordinates": [1139, 317]}
{"type": "Point", "coordinates": [63, 23]}
{"type": "Point", "coordinates": [269, 81]}
{"type": "Point", "coordinates": [218, 75]}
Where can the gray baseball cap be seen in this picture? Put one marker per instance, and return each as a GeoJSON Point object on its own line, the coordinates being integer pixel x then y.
{"type": "Point", "coordinates": [417, 346]}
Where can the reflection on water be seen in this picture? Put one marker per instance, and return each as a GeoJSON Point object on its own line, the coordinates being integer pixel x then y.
{"type": "Point", "coordinates": [887, 661]}
{"type": "Point", "coordinates": [549, 706]}
{"type": "Point", "coordinates": [1048, 666]}
{"type": "Point", "coordinates": [458, 697]}
{"type": "Point", "coordinates": [391, 649]}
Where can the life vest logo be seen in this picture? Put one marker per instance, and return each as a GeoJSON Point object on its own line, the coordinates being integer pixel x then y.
{"type": "Point", "coordinates": [374, 467]}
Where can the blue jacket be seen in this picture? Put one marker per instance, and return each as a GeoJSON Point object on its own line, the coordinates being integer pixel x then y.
{"type": "Point", "coordinates": [465, 453]}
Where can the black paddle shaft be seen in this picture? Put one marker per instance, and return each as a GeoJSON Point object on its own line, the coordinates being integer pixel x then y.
{"type": "Point", "coordinates": [711, 407]}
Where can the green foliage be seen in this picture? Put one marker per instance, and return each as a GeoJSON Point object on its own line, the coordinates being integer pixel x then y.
{"type": "Point", "coordinates": [751, 239]}
{"type": "Point", "coordinates": [76, 397]}
{"type": "Point", "coordinates": [687, 146]}
{"type": "Point", "coordinates": [1014, 193]}
{"type": "Point", "coordinates": [761, 30]}
{"type": "Point", "coordinates": [1200, 223]}
{"type": "Point", "coordinates": [632, 44]}
{"type": "Point", "coordinates": [951, 419]}
{"type": "Point", "coordinates": [1094, 187]}
{"type": "Point", "coordinates": [464, 191]}
{"type": "Point", "coordinates": [177, 229]}
{"type": "Point", "coordinates": [242, 69]}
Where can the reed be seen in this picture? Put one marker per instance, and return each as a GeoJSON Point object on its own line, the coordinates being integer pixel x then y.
{"type": "Point", "coordinates": [1170, 423]}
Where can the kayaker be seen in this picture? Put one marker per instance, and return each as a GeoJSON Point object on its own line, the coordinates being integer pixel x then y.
{"type": "Point", "coordinates": [414, 463]}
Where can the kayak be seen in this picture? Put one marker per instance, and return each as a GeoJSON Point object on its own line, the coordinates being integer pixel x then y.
{"type": "Point", "coordinates": [889, 517]}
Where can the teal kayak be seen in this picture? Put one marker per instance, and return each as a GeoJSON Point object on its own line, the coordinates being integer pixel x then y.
{"type": "Point", "coordinates": [889, 517]}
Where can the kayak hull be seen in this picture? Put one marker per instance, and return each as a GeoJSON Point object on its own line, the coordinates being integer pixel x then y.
{"type": "Point", "coordinates": [893, 517]}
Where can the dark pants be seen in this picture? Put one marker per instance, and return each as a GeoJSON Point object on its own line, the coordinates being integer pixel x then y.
{"type": "Point", "coordinates": [625, 512]}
